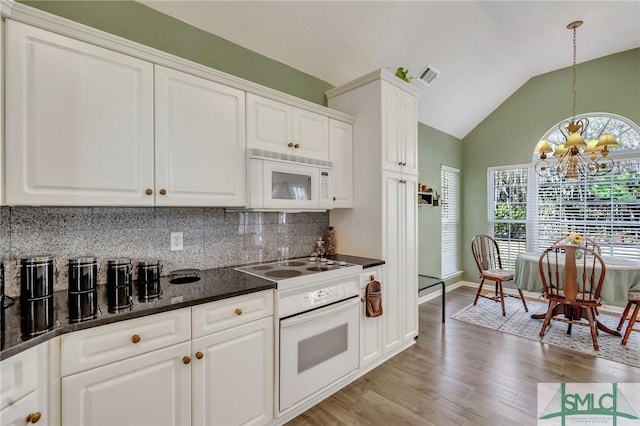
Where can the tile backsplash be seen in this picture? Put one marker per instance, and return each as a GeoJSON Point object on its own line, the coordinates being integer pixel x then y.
{"type": "Point", "coordinates": [212, 237]}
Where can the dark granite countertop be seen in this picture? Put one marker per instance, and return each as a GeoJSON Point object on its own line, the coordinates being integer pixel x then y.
{"type": "Point", "coordinates": [214, 284]}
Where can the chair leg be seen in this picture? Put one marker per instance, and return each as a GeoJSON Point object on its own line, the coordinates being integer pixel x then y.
{"type": "Point", "coordinates": [478, 292]}
{"type": "Point", "coordinates": [547, 319]}
{"type": "Point", "coordinates": [524, 302]}
{"type": "Point", "coordinates": [632, 322]}
{"type": "Point", "coordinates": [624, 315]}
{"type": "Point", "coordinates": [592, 327]}
{"type": "Point", "coordinates": [499, 284]}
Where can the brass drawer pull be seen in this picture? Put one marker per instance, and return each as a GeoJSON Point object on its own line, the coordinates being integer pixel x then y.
{"type": "Point", "coordinates": [199, 355]}
{"type": "Point", "coordinates": [163, 191]}
{"type": "Point", "coordinates": [290, 144]}
{"type": "Point", "coordinates": [238, 311]}
{"type": "Point", "coordinates": [34, 417]}
{"type": "Point", "coordinates": [148, 191]}
{"type": "Point", "coordinates": [296, 145]}
{"type": "Point", "coordinates": [136, 338]}
{"type": "Point", "coordinates": [186, 360]}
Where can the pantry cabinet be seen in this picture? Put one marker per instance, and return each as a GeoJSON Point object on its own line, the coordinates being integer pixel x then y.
{"type": "Point", "coordinates": [385, 194]}
{"type": "Point", "coordinates": [371, 327]}
{"type": "Point", "coordinates": [79, 122]}
{"type": "Point", "coordinates": [199, 141]}
{"type": "Point", "coordinates": [341, 154]}
{"type": "Point", "coordinates": [278, 127]}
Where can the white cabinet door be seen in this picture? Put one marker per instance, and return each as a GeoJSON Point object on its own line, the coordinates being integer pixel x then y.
{"type": "Point", "coordinates": [399, 130]}
{"type": "Point", "coordinates": [392, 195]}
{"type": "Point", "coordinates": [371, 328]}
{"type": "Point", "coordinates": [341, 154]}
{"type": "Point", "coordinates": [233, 375]}
{"type": "Point", "coordinates": [79, 122]}
{"type": "Point", "coordinates": [277, 127]}
{"type": "Point", "coordinates": [151, 389]}
{"type": "Point", "coordinates": [310, 134]}
{"type": "Point", "coordinates": [409, 247]}
{"type": "Point", "coordinates": [200, 141]}
{"type": "Point", "coordinates": [269, 125]}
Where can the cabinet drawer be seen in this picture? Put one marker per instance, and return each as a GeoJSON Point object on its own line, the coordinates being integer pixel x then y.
{"type": "Point", "coordinates": [103, 345]}
{"type": "Point", "coordinates": [18, 376]}
{"type": "Point", "coordinates": [17, 413]}
{"type": "Point", "coordinates": [219, 315]}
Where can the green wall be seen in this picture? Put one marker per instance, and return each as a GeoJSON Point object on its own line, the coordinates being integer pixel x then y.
{"type": "Point", "coordinates": [508, 135]}
{"type": "Point", "coordinates": [435, 148]}
{"type": "Point", "coordinates": [144, 25]}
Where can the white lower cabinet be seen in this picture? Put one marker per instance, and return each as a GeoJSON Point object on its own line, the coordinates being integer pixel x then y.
{"type": "Point", "coordinates": [232, 375]}
{"type": "Point", "coordinates": [29, 391]}
{"type": "Point", "coordinates": [371, 327]}
{"type": "Point", "coordinates": [151, 389]}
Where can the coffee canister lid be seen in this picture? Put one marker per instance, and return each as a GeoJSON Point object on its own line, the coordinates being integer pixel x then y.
{"type": "Point", "coordinates": [148, 263]}
{"type": "Point", "coordinates": [36, 260]}
{"type": "Point", "coordinates": [119, 261]}
{"type": "Point", "coordinates": [83, 260]}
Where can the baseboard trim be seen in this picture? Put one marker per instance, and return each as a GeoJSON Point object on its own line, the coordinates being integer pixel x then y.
{"type": "Point", "coordinates": [437, 293]}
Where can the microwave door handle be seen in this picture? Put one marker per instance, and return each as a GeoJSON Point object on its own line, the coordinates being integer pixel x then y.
{"type": "Point", "coordinates": [319, 313]}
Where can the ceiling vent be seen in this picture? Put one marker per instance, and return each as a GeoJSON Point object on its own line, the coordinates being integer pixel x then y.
{"type": "Point", "coordinates": [428, 75]}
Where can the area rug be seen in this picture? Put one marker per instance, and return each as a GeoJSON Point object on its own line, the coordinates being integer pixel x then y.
{"type": "Point", "coordinates": [519, 323]}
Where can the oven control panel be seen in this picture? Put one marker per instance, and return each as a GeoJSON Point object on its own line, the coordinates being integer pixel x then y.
{"type": "Point", "coordinates": [322, 296]}
{"type": "Point", "coordinates": [304, 298]}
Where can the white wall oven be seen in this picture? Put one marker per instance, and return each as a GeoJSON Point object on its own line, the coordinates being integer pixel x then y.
{"type": "Point", "coordinates": [318, 310]}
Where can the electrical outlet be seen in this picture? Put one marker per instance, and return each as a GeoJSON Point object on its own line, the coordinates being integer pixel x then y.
{"type": "Point", "coordinates": [176, 241]}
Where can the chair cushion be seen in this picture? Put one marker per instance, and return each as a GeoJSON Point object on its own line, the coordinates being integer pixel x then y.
{"type": "Point", "coordinates": [499, 274]}
{"type": "Point", "coordinates": [634, 296]}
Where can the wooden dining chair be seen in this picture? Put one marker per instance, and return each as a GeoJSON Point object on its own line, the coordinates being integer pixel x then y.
{"type": "Point", "coordinates": [572, 278]}
{"type": "Point", "coordinates": [487, 257]}
{"type": "Point", "coordinates": [588, 242]}
{"type": "Point", "coordinates": [633, 300]}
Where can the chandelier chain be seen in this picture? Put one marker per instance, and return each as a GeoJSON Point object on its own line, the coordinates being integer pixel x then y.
{"type": "Point", "coordinates": [574, 73]}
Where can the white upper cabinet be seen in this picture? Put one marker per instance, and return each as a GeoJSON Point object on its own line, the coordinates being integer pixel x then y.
{"type": "Point", "coordinates": [341, 154]}
{"type": "Point", "coordinates": [278, 127]}
{"type": "Point", "coordinates": [79, 122]}
{"type": "Point", "coordinates": [200, 141]}
{"type": "Point", "coordinates": [399, 130]}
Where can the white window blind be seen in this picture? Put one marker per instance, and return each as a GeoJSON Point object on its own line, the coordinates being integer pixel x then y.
{"type": "Point", "coordinates": [450, 220]}
{"type": "Point", "coordinates": [509, 207]}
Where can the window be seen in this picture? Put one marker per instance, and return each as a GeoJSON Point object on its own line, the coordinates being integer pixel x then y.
{"type": "Point", "coordinates": [450, 221]}
{"type": "Point", "coordinates": [528, 213]}
{"type": "Point", "coordinates": [508, 211]}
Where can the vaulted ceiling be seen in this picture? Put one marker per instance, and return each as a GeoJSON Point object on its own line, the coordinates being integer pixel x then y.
{"type": "Point", "coordinates": [484, 50]}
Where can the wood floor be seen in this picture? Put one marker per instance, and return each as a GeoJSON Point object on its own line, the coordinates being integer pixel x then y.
{"type": "Point", "coordinates": [461, 374]}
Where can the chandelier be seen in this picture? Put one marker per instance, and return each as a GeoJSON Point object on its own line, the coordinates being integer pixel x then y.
{"type": "Point", "coordinates": [575, 158]}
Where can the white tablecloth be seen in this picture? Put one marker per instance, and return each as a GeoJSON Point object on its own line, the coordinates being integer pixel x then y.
{"type": "Point", "coordinates": [622, 275]}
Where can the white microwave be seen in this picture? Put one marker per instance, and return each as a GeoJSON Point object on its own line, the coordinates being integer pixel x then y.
{"type": "Point", "coordinates": [285, 182]}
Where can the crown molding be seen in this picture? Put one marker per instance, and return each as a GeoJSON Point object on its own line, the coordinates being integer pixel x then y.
{"type": "Point", "coordinates": [38, 18]}
{"type": "Point", "coordinates": [6, 7]}
{"type": "Point", "coordinates": [380, 74]}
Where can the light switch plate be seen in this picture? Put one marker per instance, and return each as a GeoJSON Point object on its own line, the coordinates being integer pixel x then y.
{"type": "Point", "coordinates": [176, 241]}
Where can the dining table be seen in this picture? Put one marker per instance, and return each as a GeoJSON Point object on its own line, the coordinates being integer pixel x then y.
{"type": "Point", "coordinates": [622, 275]}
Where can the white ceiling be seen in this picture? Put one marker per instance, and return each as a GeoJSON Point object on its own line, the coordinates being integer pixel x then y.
{"type": "Point", "coordinates": [485, 50]}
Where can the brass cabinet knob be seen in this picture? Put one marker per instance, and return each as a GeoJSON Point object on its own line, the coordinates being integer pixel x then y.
{"type": "Point", "coordinates": [135, 338]}
{"type": "Point", "coordinates": [400, 163]}
{"type": "Point", "coordinates": [296, 145]}
{"type": "Point", "coordinates": [148, 191]}
{"type": "Point", "coordinates": [34, 417]}
{"type": "Point", "coordinates": [404, 163]}
{"type": "Point", "coordinates": [163, 191]}
{"type": "Point", "coordinates": [238, 311]}
{"type": "Point", "coordinates": [186, 360]}
{"type": "Point", "coordinates": [290, 144]}
{"type": "Point", "coordinates": [199, 355]}
{"type": "Point", "coordinates": [334, 198]}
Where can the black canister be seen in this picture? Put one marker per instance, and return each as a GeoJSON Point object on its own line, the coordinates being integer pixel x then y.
{"type": "Point", "coordinates": [36, 295]}
{"type": "Point", "coordinates": [1, 305]}
{"type": "Point", "coordinates": [119, 287]}
{"type": "Point", "coordinates": [83, 279]}
{"type": "Point", "coordinates": [149, 280]}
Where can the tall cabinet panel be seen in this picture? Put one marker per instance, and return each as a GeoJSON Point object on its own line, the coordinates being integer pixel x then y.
{"type": "Point", "coordinates": [341, 154]}
{"type": "Point", "coordinates": [79, 122]}
{"type": "Point", "coordinates": [385, 193]}
{"type": "Point", "coordinates": [200, 141]}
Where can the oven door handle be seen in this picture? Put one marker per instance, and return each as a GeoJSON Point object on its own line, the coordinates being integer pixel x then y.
{"type": "Point", "coordinates": [320, 312]}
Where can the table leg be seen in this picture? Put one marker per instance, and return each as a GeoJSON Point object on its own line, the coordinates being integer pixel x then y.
{"type": "Point", "coordinates": [570, 312]}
